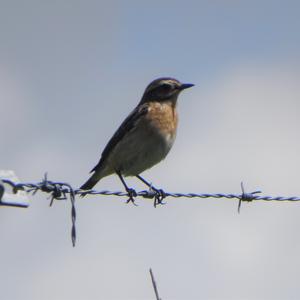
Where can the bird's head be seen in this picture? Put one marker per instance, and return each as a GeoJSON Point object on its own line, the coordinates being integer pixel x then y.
{"type": "Point", "coordinates": [164, 89]}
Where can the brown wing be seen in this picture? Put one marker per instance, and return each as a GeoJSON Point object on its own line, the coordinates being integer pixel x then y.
{"type": "Point", "coordinates": [125, 127]}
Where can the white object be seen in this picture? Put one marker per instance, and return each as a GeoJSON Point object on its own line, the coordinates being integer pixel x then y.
{"type": "Point", "coordinates": [19, 199]}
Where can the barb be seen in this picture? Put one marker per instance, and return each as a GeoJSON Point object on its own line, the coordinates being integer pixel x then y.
{"type": "Point", "coordinates": [64, 191]}
{"type": "Point", "coordinates": [154, 285]}
{"type": "Point", "coordinates": [57, 191]}
{"type": "Point", "coordinates": [246, 196]}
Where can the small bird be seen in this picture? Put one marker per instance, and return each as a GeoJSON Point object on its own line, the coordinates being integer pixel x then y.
{"type": "Point", "coordinates": [144, 138]}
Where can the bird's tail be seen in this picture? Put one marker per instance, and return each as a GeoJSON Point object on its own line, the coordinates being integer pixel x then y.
{"type": "Point", "coordinates": [91, 182]}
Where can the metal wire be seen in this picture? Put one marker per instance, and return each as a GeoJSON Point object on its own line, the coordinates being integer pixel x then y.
{"type": "Point", "coordinates": [64, 191]}
{"type": "Point", "coordinates": [154, 285]}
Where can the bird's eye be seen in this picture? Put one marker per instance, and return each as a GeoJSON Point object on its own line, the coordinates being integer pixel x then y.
{"type": "Point", "coordinates": [166, 87]}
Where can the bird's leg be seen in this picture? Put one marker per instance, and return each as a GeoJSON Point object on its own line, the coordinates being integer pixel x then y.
{"type": "Point", "coordinates": [159, 193]}
{"type": "Point", "coordinates": [131, 192]}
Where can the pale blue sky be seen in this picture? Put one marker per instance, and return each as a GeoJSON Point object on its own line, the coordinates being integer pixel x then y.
{"type": "Point", "coordinates": [71, 71]}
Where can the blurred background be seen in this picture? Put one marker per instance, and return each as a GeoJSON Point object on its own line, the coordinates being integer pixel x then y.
{"type": "Point", "coordinates": [71, 71]}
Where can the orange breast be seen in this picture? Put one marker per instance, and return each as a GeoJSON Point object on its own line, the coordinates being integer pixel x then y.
{"type": "Point", "coordinates": [164, 117]}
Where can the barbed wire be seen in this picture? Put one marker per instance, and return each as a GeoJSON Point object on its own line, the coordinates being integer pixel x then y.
{"type": "Point", "coordinates": [64, 191]}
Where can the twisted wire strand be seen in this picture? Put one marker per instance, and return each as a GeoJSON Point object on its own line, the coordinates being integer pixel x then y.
{"type": "Point", "coordinates": [59, 190]}
{"type": "Point", "coordinates": [64, 191]}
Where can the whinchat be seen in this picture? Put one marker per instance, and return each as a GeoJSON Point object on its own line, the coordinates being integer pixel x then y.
{"type": "Point", "coordinates": [145, 137]}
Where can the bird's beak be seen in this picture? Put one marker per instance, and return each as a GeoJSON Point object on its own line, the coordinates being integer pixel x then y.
{"type": "Point", "coordinates": [185, 86]}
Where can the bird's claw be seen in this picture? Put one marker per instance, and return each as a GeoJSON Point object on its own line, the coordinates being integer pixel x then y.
{"type": "Point", "coordinates": [160, 195]}
{"type": "Point", "coordinates": [131, 194]}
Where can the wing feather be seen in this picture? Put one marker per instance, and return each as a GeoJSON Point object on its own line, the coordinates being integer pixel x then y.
{"type": "Point", "coordinates": [127, 125]}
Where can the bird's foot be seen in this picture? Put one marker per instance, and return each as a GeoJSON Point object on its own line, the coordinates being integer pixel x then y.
{"type": "Point", "coordinates": [159, 196]}
{"type": "Point", "coordinates": [131, 194]}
